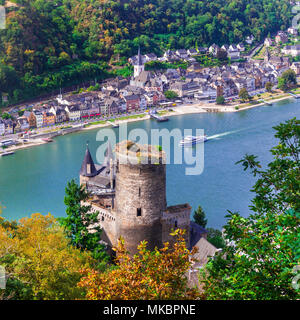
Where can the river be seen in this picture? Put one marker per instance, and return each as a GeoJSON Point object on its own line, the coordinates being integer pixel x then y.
{"type": "Point", "coordinates": [33, 180]}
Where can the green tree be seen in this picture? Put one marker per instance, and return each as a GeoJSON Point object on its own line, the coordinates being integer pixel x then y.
{"type": "Point", "coordinates": [8, 78]}
{"type": "Point", "coordinates": [39, 261]}
{"type": "Point", "coordinates": [287, 80]}
{"type": "Point", "coordinates": [244, 95]}
{"type": "Point", "coordinates": [78, 221]}
{"type": "Point", "coordinates": [269, 86]}
{"type": "Point", "coordinates": [220, 100]}
{"type": "Point", "coordinates": [170, 95]}
{"type": "Point", "coordinates": [199, 217]}
{"type": "Point", "coordinates": [263, 250]}
{"type": "Point", "coordinates": [215, 237]}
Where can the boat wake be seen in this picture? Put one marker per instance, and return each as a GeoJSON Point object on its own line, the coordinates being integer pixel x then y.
{"type": "Point", "coordinates": [219, 135]}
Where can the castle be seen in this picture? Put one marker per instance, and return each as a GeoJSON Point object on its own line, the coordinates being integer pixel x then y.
{"type": "Point", "coordinates": [130, 197]}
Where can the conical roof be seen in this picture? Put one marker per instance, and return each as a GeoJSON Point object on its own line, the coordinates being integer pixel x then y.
{"type": "Point", "coordinates": [88, 168]}
{"type": "Point", "coordinates": [140, 62]}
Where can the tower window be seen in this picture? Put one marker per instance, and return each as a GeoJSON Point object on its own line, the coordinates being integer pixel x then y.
{"type": "Point", "coordinates": [139, 212]}
{"type": "Point", "coordinates": [176, 224]}
{"type": "Point", "coordinates": [102, 218]}
{"type": "Point", "coordinates": [139, 191]}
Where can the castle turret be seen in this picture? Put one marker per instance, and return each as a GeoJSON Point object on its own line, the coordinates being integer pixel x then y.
{"type": "Point", "coordinates": [140, 195]}
{"type": "Point", "coordinates": [139, 66]}
{"type": "Point", "coordinates": [88, 168]}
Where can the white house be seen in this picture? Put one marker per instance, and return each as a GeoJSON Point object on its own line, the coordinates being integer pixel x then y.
{"type": "Point", "coordinates": [39, 118]}
{"type": "Point", "coordinates": [268, 42]}
{"type": "Point", "coordinates": [250, 39]}
{"type": "Point", "coordinates": [292, 50]}
{"type": "Point", "coordinates": [73, 113]}
{"type": "Point", "coordinates": [292, 31]}
{"type": "Point", "coordinates": [234, 54]}
{"type": "Point", "coordinates": [143, 102]}
{"type": "Point", "coordinates": [241, 47]}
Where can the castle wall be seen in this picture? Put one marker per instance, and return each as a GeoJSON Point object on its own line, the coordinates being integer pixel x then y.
{"type": "Point", "coordinates": [107, 221]}
{"type": "Point", "coordinates": [139, 203]}
{"type": "Point", "coordinates": [176, 217]}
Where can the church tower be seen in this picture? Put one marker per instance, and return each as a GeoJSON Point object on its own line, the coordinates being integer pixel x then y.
{"type": "Point", "coordinates": [138, 66]}
{"type": "Point", "coordinates": [267, 56]}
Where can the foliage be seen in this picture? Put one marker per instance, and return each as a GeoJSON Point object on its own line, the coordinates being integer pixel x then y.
{"type": "Point", "coordinates": [210, 61]}
{"type": "Point", "coordinates": [215, 237]}
{"type": "Point", "coordinates": [199, 217]}
{"type": "Point", "coordinates": [148, 275]}
{"type": "Point", "coordinates": [220, 100]}
{"type": "Point", "coordinates": [79, 220]}
{"type": "Point", "coordinates": [39, 260]}
{"type": "Point", "coordinates": [162, 65]}
{"type": "Point", "coordinates": [244, 95]}
{"type": "Point", "coordinates": [48, 44]}
{"type": "Point", "coordinates": [126, 71]}
{"type": "Point", "coordinates": [6, 115]}
{"type": "Point", "coordinates": [287, 80]}
{"type": "Point", "coordinates": [262, 252]}
{"type": "Point", "coordinates": [170, 95]}
{"type": "Point", "coordinates": [269, 86]}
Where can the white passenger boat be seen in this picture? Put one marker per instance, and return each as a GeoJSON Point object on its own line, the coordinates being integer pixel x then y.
{"type": "Point", "coordinates": [192, 140]}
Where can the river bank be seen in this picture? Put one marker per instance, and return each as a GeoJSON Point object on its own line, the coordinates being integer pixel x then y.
{"type": "Point", "coordinates": [34, 180]}
{"type": "Point", "coordinates": [174, 111]}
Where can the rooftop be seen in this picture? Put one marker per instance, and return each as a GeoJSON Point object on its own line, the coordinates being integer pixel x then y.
{"type": "Point", "coordinates": [138, 153]}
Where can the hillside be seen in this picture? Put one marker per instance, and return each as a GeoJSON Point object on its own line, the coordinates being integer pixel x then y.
{"type": "Point", "coordinates": [48, 44]}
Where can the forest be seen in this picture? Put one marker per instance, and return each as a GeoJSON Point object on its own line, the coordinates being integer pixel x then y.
{"type": "Point", "coordinates": [50, 44]}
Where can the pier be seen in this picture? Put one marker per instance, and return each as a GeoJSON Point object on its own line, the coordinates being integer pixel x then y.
{"type": "Point", "coordinates": [112, 124]}
{"type": "Point", "coordinates": [266, 102]}
{"type": "Point", "coordinates": [158, 118]}
{"type": "Point", "coordinates": [296, 96]}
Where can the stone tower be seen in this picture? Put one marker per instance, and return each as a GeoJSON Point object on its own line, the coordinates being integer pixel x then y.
{"type": "Point", "coordinates": [139, 66]}
{"type": "Point", "coordinates": [140, 196]}
{"type": "Point", "coordinates": [267, 56]}
{"type": "Point", "coordinates": [128, 192]}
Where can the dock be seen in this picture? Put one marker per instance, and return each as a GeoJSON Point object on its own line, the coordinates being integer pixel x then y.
{"type": "Point", "coordinates": [158, 118]}
{"type": "Point", "coordinates": [296, 96]}
{"type": "Point", "coordinates": [8, 153]}
{"type": "Point", "coordinates": [112, 124]}
{"type": "Point", "coordinates": [267, 102]}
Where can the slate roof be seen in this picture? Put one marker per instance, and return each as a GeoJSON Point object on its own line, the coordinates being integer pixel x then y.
{"type": "Point", "coordinates": [88, 160]}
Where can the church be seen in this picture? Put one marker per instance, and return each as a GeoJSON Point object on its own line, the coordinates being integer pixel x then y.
{"type": "Point", "coordinates": [144, 79]}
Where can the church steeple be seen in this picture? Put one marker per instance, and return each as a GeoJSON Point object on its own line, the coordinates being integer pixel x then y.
{"type": "Point", "coordinates": [140, 61]}
{"type": "Point", "coordinates": [267, 55]}
{"type": "Point", "coordinates": [139, 65]}
{"type": "Point", "coordinates": [88, 168]}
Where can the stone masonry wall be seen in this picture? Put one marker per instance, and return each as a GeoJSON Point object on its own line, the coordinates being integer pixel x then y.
{"type": "Point", "coordinates": [139, 203]}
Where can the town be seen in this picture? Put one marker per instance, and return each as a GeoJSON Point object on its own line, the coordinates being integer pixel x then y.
{"type": "Point", "coordinates": [250, 66]}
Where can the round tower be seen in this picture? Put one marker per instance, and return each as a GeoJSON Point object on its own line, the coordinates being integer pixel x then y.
{"type": "Point", "coordinates": [140, 194]}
